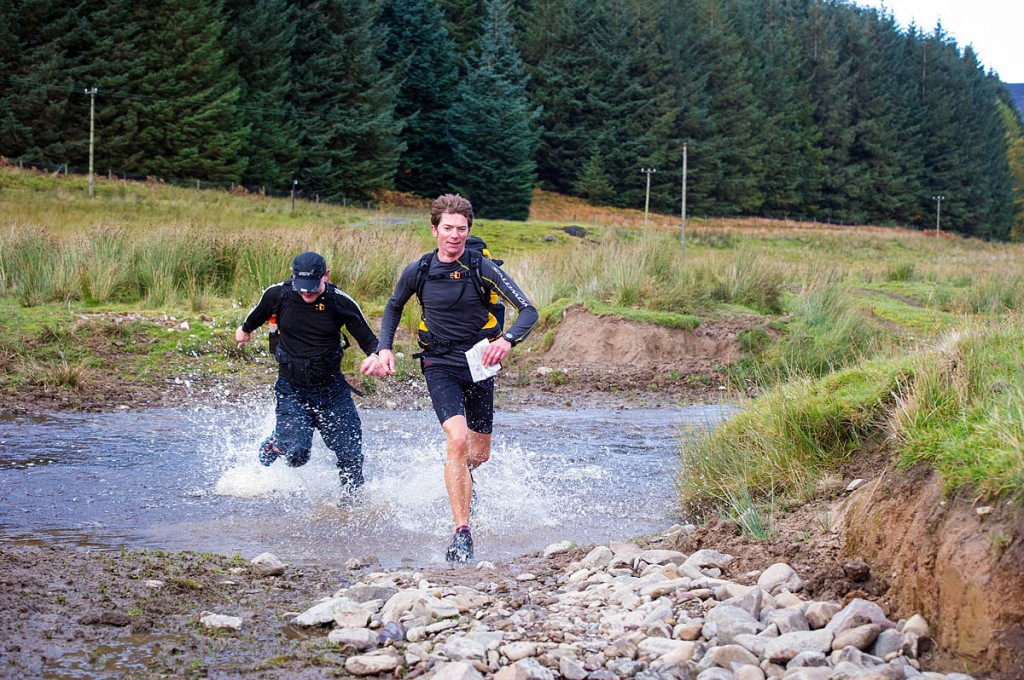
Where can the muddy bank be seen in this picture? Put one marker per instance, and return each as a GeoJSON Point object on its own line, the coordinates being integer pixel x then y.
{"type": "Point", "coordinates": [959, 563]}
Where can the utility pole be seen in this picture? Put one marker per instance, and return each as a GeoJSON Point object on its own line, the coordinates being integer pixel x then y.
{"type": "Point", "coordinates": [647, 200]}
{"type": "Point", "coordinates": [938, 213]}
{"type": "Point", "coordinates": [682, 229]}
{"type": "Point", "coordinates": [92, 129]}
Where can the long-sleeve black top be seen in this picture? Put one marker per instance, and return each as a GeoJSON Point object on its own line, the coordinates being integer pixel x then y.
{"type": "Point", "coordinates": [311, 329]}
{"type": "Point", "coordinates": [453, 310]}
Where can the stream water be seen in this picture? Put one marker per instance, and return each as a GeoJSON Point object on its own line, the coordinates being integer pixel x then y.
{"type": "Point", "coordinates": [188, 479]}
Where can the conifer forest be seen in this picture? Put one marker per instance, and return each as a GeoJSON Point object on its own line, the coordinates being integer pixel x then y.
{"type": "Point", "coordinates": [804, 109]}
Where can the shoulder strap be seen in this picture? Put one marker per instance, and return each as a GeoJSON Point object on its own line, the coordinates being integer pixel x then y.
{"type": "Point", "coordinates": [421, 273]}
{"type": "Point", "coordinates": [475, 257]}
{"type": "Point", "coordinates": [286, 286]}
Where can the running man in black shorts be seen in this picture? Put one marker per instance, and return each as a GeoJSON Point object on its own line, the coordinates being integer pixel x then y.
{"type": "Point", "coordinates": [453, 292]}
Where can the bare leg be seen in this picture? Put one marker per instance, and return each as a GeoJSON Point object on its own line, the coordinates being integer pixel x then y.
{"type": "Point", "coordinates": [466, 451]}
{"type": "Point", "coordinates": [479, 449]}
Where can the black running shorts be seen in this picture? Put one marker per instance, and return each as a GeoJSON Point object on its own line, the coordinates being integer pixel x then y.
{"type": "Point", "coordinates": [453, 393]}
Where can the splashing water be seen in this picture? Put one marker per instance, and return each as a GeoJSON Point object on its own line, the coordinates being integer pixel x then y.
{"type": "Point", "coordinates": [190, 479]}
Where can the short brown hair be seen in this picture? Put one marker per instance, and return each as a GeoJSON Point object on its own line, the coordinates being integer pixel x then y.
{"type": "Point", "coordinates": [451, 203]}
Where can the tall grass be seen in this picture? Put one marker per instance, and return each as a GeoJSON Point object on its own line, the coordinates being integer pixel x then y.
{"type": "Point", "coordinates": [957, 407]}
{"type": "Point", "coordinates": [965, 414]}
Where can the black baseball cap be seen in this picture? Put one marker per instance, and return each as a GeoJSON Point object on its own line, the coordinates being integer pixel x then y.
{"type": "Point", "coordinates": [308, 270]}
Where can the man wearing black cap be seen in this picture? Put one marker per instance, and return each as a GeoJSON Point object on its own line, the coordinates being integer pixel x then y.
{"type": "Point", "coordinates": [311, 391]}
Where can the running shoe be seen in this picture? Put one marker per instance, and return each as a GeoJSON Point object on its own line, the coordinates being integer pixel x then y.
{"type": "Point", "coordinates": [461, 549]}
{"type": "Point", "coordinates": [268, 450]}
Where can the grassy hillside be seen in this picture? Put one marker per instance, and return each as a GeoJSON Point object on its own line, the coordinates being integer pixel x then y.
{"type": "Point", "coordinates": [863, 336]}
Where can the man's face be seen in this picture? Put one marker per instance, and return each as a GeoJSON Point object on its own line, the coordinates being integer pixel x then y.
{"type": "Point", "coordinates": [311, 297]}
{"type": "Point", "coordinates": [451, 233]}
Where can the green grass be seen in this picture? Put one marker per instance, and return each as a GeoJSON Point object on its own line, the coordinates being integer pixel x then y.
{"type": "Point", "coordinates": [957, 407]}
{"type": "Point", "coordinates": [841, 314]}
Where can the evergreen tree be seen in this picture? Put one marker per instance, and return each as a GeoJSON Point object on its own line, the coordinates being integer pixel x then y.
{"type": "Point", "coordinates": [557, 51]}
{"type": "Point", "coordinates": [422, 56]}
{"type": "Point", "coordinates": [725, 154]}
{"type": "Point", "coordinates": [38, 120]}
{"type": "Point", "coordinates": [492, 125]}
{"type": "Point", "coordinates": [790, 166]}
{"type": "Point", "coordinates": [167, 103]}
{"type": "Point", "coordinates": [261, 38]}
{"type": "Point", "coordinates": [465, 22]}
{"type": "Point", "coordinates": [344, 101]}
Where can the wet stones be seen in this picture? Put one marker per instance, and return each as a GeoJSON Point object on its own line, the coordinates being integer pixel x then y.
{"type": "Point", "coordinates": [619, 612]}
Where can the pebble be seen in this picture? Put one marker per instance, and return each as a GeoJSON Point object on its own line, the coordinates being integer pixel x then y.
{"type": "Point", "coordinates": [619, 612]}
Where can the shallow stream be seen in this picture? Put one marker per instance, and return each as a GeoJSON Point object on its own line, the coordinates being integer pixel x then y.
{"type": "Point", "coordinates": [188, 479]}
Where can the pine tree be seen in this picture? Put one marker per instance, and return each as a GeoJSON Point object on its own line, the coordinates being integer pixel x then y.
{"type": "Point", "coordinates": [422, 56]}
{"type": "Point", "coordinates": [38, 93]}
{"type": "Point", "coordinates": [492, 125]}
{"type": "Point", "coordinates": [465, 22]}
{"type": "Point", "coordinates": [344, 101]}
{"type": "Point", "coordinates": [167, 100]}
{"type": "Point", "coordinates": [261, 37]}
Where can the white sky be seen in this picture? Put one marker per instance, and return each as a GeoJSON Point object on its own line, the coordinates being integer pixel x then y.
{"type": "Point", "coordinates": [992, 27]}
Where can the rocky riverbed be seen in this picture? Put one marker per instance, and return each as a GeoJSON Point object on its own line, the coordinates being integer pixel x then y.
{"type": "Point", "coordinates": [632, 609]}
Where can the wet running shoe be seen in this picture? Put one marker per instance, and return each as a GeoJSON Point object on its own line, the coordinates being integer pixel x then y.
{"type": "Point", "coordinates": [461, 549]}
{"type": "Point", "coordinates": [268, 450]}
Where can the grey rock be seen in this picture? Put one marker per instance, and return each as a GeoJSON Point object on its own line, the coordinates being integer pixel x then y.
{"type": "Point", "coordinates": [820, 613]}
{"type": "Point", "coordinates": [888, 642]}
{"type": "Point", "coordinates": [752, 643]}
{"type": "Point", "coordinates": [786, 647]}
{"type": "Point", "coordinates": [463, 648]}
{"type": "Point", "coordinates": [362, 592]}
{"type": "Point", "coordinates": [371, 664]}
{"type": "Point", "coordinates": [526, 669]}
{"type": "Point", "coordinates": [748, 673]}
{"type": "Point", "coordinates": [918, 625]}
{"type": "Point", "coordinates": [856, 613]}
{"type": "Point", "coordinates": [458, 670]}
{"type": "Point", "coordinates": [861, 637]}
{"type": "Point", "coordinates": [780, 576]}
{"type": "Point", "coordinates": [715, 673]}
{"type": "Point", "coordinates": [728, 655]}
{"type": "Point", "coordinates": [220, 621]}
{"type": "Point", "coordinates": [360, 639]}
{"type": "Point", "coordinates": [788, 620]}
{"type": "Point", "coordinates": [598, 558]}
{"type": "Point", "coordinates": [393, 631]}
{"type": "Point", "coordinates": [822, 673]}
{"type": "Point", "coordinates": [515, 651]}
{"type": "Point", "coordinates": [559, 548]}
{"type": "Point", "coordinates": [324, 612]}
{"type": "Point", "coordinates": [625, 668]}
{"type": "Point", "coordinates": [728, 622]}
{"type": "Point", "coordinates": [571, 669]}
{"type": "Point", "coordinates": [661, 557]}
{"type": "Point", "coordinates": [808, 660]}
{"type": "Point", "coordinates": [749, 602]}
{"type": "Point", "coordinates": [267, 564]}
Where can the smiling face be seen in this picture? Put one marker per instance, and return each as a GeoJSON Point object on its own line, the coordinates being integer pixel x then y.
{"type": "Point", "coordinates": [451, 233]}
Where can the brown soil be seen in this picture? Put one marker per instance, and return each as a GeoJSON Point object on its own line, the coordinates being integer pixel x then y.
{"type": "Point", "coordinates": [963, 571]}
{"type": "Point", "coordinates": [927, 554]}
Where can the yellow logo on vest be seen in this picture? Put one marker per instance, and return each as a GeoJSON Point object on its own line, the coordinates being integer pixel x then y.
{"type": "Point", "coordinates": [455, 275]}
